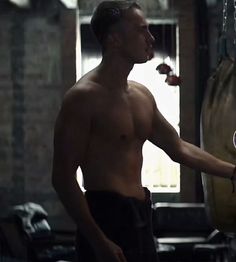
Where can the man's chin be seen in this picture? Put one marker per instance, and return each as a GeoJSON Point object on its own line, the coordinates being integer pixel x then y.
{"type": "Point", "coordinates": [144, 60]}
{"type": "Point", "coordinates": [150, 55]}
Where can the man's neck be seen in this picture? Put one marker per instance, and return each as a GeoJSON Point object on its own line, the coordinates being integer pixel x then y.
{"type": "Point", "coordinates": [115, 70]}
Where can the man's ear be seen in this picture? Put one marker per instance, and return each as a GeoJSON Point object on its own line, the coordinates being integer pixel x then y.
{"type": "Point", "coordinates": [114, 39]}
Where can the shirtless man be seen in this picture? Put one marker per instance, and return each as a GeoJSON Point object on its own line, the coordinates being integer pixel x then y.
{"type": "Point", "coordinates": [101, 127]}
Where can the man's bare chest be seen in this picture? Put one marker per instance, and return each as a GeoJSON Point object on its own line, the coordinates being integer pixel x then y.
{"type": "Point", "coordinates": [123, 118]}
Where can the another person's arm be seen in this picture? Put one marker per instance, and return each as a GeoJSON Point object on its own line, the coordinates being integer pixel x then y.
{"type": "Point", "coordinates": [165, 136]}
{"type": "Point", "coordinates": [71, 138]}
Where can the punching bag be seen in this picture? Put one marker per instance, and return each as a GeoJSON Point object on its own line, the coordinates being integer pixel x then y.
{"type": "Point", "coordinates": [218, 124]}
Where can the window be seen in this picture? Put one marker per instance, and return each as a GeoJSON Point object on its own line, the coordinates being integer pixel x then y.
{"type": "Point", "coordinates": [159, 172]}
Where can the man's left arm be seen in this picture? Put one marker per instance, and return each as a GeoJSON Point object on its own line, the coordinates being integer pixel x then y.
{"type": "Point", "coordinates": [165, 136]}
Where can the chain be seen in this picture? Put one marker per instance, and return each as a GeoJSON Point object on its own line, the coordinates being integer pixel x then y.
{"type": "Point", "coordinates": [234, 22]}
{"type": "Point", "coordinates": [225, 15]}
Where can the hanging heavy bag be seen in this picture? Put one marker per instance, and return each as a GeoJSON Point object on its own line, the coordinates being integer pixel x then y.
{"type": "Point", "coordinates": [218, 123]}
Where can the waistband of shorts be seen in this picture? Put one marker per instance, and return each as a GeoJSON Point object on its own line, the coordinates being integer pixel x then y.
{"type": "Point", "coordinates": [108, 193]}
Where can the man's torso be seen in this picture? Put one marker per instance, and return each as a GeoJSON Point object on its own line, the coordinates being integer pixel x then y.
{"type": "Point", "coordinates": [121, 122]}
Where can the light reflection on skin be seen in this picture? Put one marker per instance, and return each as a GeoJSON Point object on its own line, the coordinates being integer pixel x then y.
{"type": "Point", "coordinates": [234, 138]}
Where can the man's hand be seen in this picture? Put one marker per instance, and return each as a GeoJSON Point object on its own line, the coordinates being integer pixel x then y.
{"type": "Point", "coordinates": [108, 251]}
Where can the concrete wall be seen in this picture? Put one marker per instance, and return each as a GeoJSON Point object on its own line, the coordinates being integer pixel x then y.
{"type": "Point", "coordinates": [36, 68]}
{"type": "Point", "coordinates": [151, 7]}
{"type": "Point", "coordinates": [189, 91]}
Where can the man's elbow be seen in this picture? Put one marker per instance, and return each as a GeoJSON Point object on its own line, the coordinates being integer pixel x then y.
{"type": "Point", "coordinates": [177, 152]}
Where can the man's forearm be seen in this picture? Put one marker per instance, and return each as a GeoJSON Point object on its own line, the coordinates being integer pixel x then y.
{"type": "Point", "coordinates": [196, 158]}
{"type": "Point", "coordinates": [76, 205]}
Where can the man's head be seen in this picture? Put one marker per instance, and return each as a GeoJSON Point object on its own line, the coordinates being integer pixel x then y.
{"type": "Point", "coordinates": [107, 15]}
{"type": "Point", "coordinates": [123, 31]}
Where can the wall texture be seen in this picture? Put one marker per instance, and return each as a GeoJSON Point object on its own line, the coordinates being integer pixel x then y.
{"type": "Point", "coordinates": [151, 7]}
{"type": "Point", "coordinates": [35, 71]}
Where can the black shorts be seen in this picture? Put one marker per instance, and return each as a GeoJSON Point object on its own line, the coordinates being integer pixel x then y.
{"type": "Point", "coordinates": [124, 220]}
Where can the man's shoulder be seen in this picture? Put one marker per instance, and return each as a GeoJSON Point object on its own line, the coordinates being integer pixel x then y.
{"type": "Point", "coordinates": [140, 88]}
{"type": "Point", "coordinates": [82, 91]}
{"type": "Point", "coordinates": [78, 98]}
{"type": "Point", "coordinates": [137, 85]}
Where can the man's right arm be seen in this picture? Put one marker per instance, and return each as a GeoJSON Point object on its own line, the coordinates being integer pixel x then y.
{"type": "Point", "coordinates": [71, 138]}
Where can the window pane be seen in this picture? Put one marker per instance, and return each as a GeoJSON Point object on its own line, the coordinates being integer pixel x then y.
{"type": "Point", "coordinates": [159, 172]}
